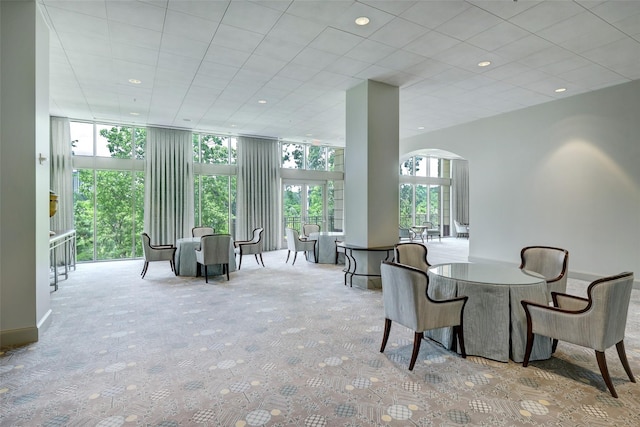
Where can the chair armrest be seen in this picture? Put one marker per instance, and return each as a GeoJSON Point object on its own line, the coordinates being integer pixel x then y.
{"type": "Point", "coordinates": [242, 242]}
{"type": "Point", "coordinates": [162, 246]}
{"type": "Point", "coordinates": [569, 302]}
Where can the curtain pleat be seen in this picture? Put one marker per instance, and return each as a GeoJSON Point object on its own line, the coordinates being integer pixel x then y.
{"type": "Point", "coordinates": [460, 178]}
{"type": "Point", "coordinates": [258, 196]}
{"type": "Point", "coordinates": [61, 173]}
{"type": "Point", "coordinates": [168, 196]}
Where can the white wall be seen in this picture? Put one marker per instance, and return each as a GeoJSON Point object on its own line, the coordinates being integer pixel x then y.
{"type": "Point", "coordinates": [24, 192]}
{"type": "Point", "coordinates": [564, 173]}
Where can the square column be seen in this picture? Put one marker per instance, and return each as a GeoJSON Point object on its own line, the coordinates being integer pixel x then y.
{"type": "Point", "coordinates": [371, 173]}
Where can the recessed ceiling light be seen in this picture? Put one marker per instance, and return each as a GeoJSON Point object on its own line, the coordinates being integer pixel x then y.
{"type": "Point", "coordinates": [363, 20]}
{"type": "Point", "coordinates": [233, 126]}
{"type": "Point", "coordinates": [134, 114]}
{"type": "Point", "coordinates": [484, 63]}
{"type": "Point", "coordinates": [135, 81]}
{"type": "Point", "coordinates": [420, 127]}
{"type": "Point", "coordinates": [560, 89]}
{"type": "Point", "coordinates": [262, 101]}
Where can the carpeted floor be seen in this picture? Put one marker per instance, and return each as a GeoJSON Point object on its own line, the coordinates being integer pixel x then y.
{"type": "Point", "coordinates": [281, 346]}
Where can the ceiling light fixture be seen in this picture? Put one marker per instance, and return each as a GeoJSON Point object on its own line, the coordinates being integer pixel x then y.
{"type": "Point", "coordinates": [363, 20]}
{"type": "Point", "coordinates": [420, 127]}
{"type": "Point", "coordinates": [262, 101]}
{"type": "Point", "coordinates": [134, 114]}
{"type": "Point", "coordinates": [135, 81]}
{"type": "Point", "coordinates": [561, 89]}
{"type": "Point", "coordinates": [484, 63]}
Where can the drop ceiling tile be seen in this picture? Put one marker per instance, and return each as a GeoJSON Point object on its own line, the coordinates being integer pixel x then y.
{"type": "Point", "coordinates": [92, 8]}
{"type": "Point", "coordinates": [335, 41]}
{"type": "Point", "coordinates": [390, 6]}
{"type": "Point", "coordinates": [370, 51]}
{"type": "Point", "coordinates": [298, 72]}
{"type": "Point", "coordinates": [619, 53]}
{"type": "Point", "coordinates": [593, 76]}
{"type": "Point", "coordinates": [431, 44]}
{"type": "Point", "coordinates": [189, 26]}
{"type": "Point", "coordinates": [568, 64]}
{"type": "Point", "coordinates": [546, 14]}
{"type": "Point", "coordinates": [401, 60]}
{"type": "Point", "coordinates": [398, 33]}
{"type": "Point", "coordinates": [85, 45]}
{"type": "Point", "coordinates": [323, 12]}
{"type": "Point", "coordinates": [346, 66]}
{"type": "Point", "coordinates": [264, 64]}
{"type": "Point", "coordinates": [135, 54]}
{"type": "Point", "coordinates": [296, 29]}
{"type": "Point", "coordinates": [469, 23]}
{"type": "Point", "coordinates": [504, 9]}
{"type": "Point", "coordinates": [136, 13]}
{"type": "Point", "coordinates": [178, 62]}
{"type": "Point", "coordinates": [237, 38]}
{"type": "Point", "coordinates": [346, 20]}
{"type": "Point", "coordinates": [550, 55]}
{"type": "Point", "coordinates": [523, 47]}
{"type": "Point", "coordinates": [226, 56]}
{"type": "Point", "coordinates": [78, 23]}
{"type": "Point", "coordinates": [581, 32]}
{"type": "Point", "coordinates": [250, 16]}
{"type": "Point", "coordinates": [177, 45]}
{"type": "Point", "coordinates": [432, 14]}
{"type": "Point", "coordinates": [284, 50]}
{"type": "Point", "coordinates": [210, 10]}
{"type": "Point", "coordinates": [497, 36]}
{"type": "Point", "coordinates": [133, 35]}
{"type": "Point", "coordinates": [314, 58]}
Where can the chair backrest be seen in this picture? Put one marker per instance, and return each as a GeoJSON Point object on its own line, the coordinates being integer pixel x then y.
{"type": "Point", "coordinates": [201, 231]}
{"type": "Point", "coordinates": [404, 294]}
{"type": "Point", "coordinates": [292, 239]}
{"type": "Point", "coordinates": [146, 246]}
{"type": "Point", "coordinates": [404, 233]}
{"type": "Point", "coordinates": [307, 229]}
{"type": "Point", "coordinates": [257, 235]}
{"type": "Point", "coordinates": [607, 311]}
{"type": "Point", "coordinates": [460, 228]}
{"type": "Point", "coordinates": [549, 261]}
{"type": "Point", "coordinates": [413, 254]}
{"type": "Point", "coordinates": [215, 248]}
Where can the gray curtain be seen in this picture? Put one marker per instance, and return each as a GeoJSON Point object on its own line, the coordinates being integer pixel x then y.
{"type": "Point", "coordinates": [258, 180]}
{"type": "Point", "coordinates": [460, 178]}
{"type": "Point", "coordinates": [61, 173]}
{"type": "Point", "coordinates": [168, 192]}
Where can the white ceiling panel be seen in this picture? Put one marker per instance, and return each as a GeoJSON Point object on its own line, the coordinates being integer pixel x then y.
{"type": "Point", "coordinates": [210, 61]}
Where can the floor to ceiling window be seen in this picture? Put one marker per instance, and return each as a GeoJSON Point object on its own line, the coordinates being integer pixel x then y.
{"type": "Point", "coordinates": [425, 192]}
{"type": "Point", "coordinates": [214, 160]}
{"type": "Point", "coordinates": [312, 190]}
{"type": "Point", "coordinates": [108, 182]}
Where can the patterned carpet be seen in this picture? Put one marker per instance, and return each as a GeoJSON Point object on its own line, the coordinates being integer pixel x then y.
{"type": "Point", "coordinates": [279, 346]}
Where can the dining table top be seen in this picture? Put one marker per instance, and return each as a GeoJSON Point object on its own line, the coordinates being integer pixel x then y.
{"type": "Point", "coordinates": [495, 274]}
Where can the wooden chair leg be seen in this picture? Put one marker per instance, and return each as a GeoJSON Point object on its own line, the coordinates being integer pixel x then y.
{"type": "Point", "coordinates": [602, 363]}
{"type": "Point", "coordinates": [261, 260]}
{"type": "Point", "coordinates": [554, 345]}
{"type": "Point", "coordinates": [240, 263]}
{"type": "Point", "coordinates": [144, 269]}
{"type": "Point", "coordinates": [295, 255]}
{"type": "Point", "coordinates": [385, 335]}
{"type": "Point", "coordinates": [206, 274]}
{"type": "Point", "coordinates": [460, 334]}
{"type": "Point", "coordinates": [527, 353]}
{"type": "Point", "coordinates": [417, 340]}
{"type": "Point", "coordinates": [625, 363]}
{"type": "Point", "coordinates": [225, 267]}
{"type": "Point", "coordinates": [288, 254]}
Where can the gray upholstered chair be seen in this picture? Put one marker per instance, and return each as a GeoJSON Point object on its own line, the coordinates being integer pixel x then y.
{"type": "Point", "coordinates": [405, 299]}
{"type": "Point", "coordinates": [432, 231]}
{"type": "Point", "coordinates": [413, 254]}
{"type": "Point", "coordinates": [551, 262]}
{"type": "Point", "coordinates": [596, 322]}
{"type": "Point", "coordinates": [157, 253]}
{"type": "Point", "coordinates": [248, 247]}
{"type": "Point", "coordinates": [406, 233]}
{"type": "Point", "coordinates": [214, 249]}
{"type": "Point", "coordinates": [201, 231]}
{"type": "Point", "coordinates": [295, 244]}
{"type": "Point", "coordinates": [462, 230]}
{"type": "Point", "coordinates": [307, 229]}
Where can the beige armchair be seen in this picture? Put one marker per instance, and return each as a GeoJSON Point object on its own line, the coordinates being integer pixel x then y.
{"type": "Point", "coordinates": [157, 253]}
{"type": "Point", "coordinates": [248, 247]}
{"type": "Point", "coordinates": [551, 262]}
{"type": "Point", "coordinates": [462, 230]}
{"type": "Point", "coordinates": [412, 254]}
{"type": "Point", "coordinates": [202, 231]}
{"type": "Point", "coordinates": [296, 244]}
{"type": "Point", "coordinates": [307, 229]}
{"type": "Point", "coordinates": [214, 249]}
{"type": "Point", "coordinates": [405, 299]}
{"type": "Point", "coordinates": [596, 322]}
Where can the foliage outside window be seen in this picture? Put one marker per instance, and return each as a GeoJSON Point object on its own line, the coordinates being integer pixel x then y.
{"type": "Point", "coordinates": [108, 202]}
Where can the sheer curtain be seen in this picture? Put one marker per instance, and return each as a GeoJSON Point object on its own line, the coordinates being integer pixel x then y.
{"type": "Point", "coordinates": [460, 178]}
{"type": "Point", "coordinates": [168, 190]}
{"type": "Point", "coordinates": [258, 180]}
{"type": "Point", "coordinates": [61, 173]}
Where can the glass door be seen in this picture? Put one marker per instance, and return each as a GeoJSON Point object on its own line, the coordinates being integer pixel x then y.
{"type": "Point", "coordinates": [303, 203]}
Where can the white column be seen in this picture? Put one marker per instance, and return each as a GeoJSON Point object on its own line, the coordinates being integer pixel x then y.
{"type": "Point", "coordinates": [371, 172]}
{"type": "Point", "coordinates": [24, 177]}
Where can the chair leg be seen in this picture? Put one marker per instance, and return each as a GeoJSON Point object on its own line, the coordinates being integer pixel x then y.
{"type": "Point", "coordinates": [225, 267]}
{"type": "Point", "coordinates": [602, 364]}
{"type": "Point", "coordinates": [385, 335]}
{"type": "Point", "coordinates": [460, 334]}
{"type": "Point", "coordinates": [554, 345]}
{"type": "Point", "coordinates": [144, 268]}
{"type": "Point", "coordinates": [173, 267]}
{"type": "Point", "coordinates": [206, 274]}
{"type": "Point", "coordinates": [261, 260]}
{"type": "Point", "coordinates": [288, 255]}
{"type": "Point", "coordinates": [417, 340]}
{"type": "Point", "coordinates": [527, 353]}
{"type": "Point", "coordinates": [295, 255]}
{"type": "Point", "coordinates": [240, 263]}
{"type": "Point", "coordinates": [625, 363]}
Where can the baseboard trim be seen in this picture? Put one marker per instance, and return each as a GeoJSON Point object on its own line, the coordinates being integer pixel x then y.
{"type": "Point", "coordinates": [24, 336]}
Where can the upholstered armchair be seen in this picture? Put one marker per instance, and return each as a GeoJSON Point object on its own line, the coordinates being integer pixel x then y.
{"type": "Point", "coordinates": [432, 231]}
{"type": "Point", "coordinates": [248, 247]}
{"type": "Point", "coordinates": [307, 229]}
{"type": "Point", "coordinates": [405, 299]}
{"type": "Point", "coordinates": [214, 249]}
{"type": "Point", "coordinates": [412, 254]}
{"type": "Point", "coordinates": [551, 262]}
{"type": "Point", "coordinates": [201, 231]}
{"type": "Point", "coordinates": [406, 233]}
{"type": "Point", "coordinates": [596, 322]}
{"type": "Point", "coordinates": [462, 230]}
{"type": "Point", "coordinates": [295, 244]}
{"type": "Point", "coordinates": [156, 253]}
